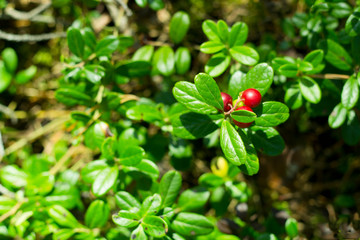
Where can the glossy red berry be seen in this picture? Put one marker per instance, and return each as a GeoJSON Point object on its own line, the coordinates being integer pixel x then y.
{"type": "Point", "coordinates": [240, 124]}
{"type": "Point", "coordinates": [227, 99]}
{"type": "Point", "coordinates": [251, 97]}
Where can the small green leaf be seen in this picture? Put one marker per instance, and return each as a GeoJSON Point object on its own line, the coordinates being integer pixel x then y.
{"type": "Point", "coordinates": [130, 155]}
{"type": "Point", "coordinates": [141, 3]}
{"type": "Point", "coordinates": [10, 59]}
{"type": "Point", "coordinates": [338, 116]}
{"type": "Point", "coordinates": [26, 75]}
{"type": "Point", "coordinates": [209, 27]}
{"type": "Point", "coordinates": [138, 233]}
{"type": "Point", "coordinates": [210, 180]}
{"type": "Point", "coordinates": [126, 219]}
{"type": "Point", "coordinates": [97, 214]}
{"type": "Point", "coordinates": [210, 47]}
{"type": "Point", "coordinates": [96, 134]}
{"type": "Point", "coordinates": [193, 199]}
{"type": "Point", "coordinates": [271, 114]}
{"type": "Point", "coordinates": [245, 55]}
{"type": "Point", "coordinates": [336, 55]}
{"type": "Point", "coordinates": [62, 216]}
{"type": "Point", "coordinates": [144, 53]}
{"type": "Point", "coordinates": [293, 97]}
{"type": "Point", "coordinates": [40, 184]}
{"type": "Point", "coordinates": [238, 34]}
{"type": "Point", "coordinates": [251, 165]}
{"type": "Point", "coordinates": [151, 205]}
{"type": "Point", "coordinates": [191, 224]}
{"type": "Point", "coordinates": [352, 26]}
{"type": "Point", "coordinates": [187, 94]}
{"type": "Point", "coordinates": [259, 77]}
{"type": "Point", "coordinates": [350, 93]}
{"type": "Point", "coordinates": [182, 60]}
{"type": "Point", "coordinates": [267, 140]}
{"type": "Point", "coordinates": [13, 176]}
{"type": "Point", "coordinates": [6, 203]}
{"type": "Point", "coordinates": [92, 169]}
{"type": "Point", "coordinates": [134, 69]}
{"type": "Point", "coordinates": [223, 30]}
{"type": "Point", "coordinates": [232, 144]}
{"type": "Point", "coordinates": [217, 64]}
{"type": "Point", "coordinates": [289, 70]}
{"type": "Point", "coordinates": [179, 26]}
{"type": "Point", "coordinates": [235, 83]}
{"type": "Point", "coordinates": [63, 234]}
{"type": "Point", "coordinates": [243, 116]}
{"type": "Point", "coordinates": [94, 73]}
{"type": "Point", "coordinates": [291, 227]}
{"type": "Point", "coordinates": [107, 46]}
{"type": "Point", "coordinates": [155, 226]}
{"type": "Point", "coordinates": [89, 38]}
{"type": "Point", "coordinates": [340, 9]}
{"type": "Point", "coordinates": [5, 77]}
{"type": "Point", "coordinates": [145, 167]}
{"type": "Point", "coordinates": [105, 180]}
{"type": "Point", "coordinates": [209, 90]}
{"type": "Point", "coordinates": [75, 41]}
{"type": "Point", "coordinates": [310, 89]}
{"type": "Point", "coordinates": [144, 113]}
{"type": "Point", "coordinates": [126, 201]}
{"type": "Point", "coordinates": [71, 97]}
{"type": "Point", "coordinates": [315, 57]}
{"type": "Point", "coordinates": [164, 60]}
{"type": "Point", "coordinates": [156, 5]}
{"type": "Point", "coordinates": [170, 185]}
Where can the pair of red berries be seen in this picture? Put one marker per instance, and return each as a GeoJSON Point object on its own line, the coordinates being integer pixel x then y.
{"type": "Point", "coordinates": [250, 98]}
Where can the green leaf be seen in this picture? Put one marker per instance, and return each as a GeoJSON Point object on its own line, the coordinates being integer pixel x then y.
{"type": "Point", "coordinates": [96, 134]}
{"type": "Point", "coordinates": [144, 53]}
{"type": "Point", "coordinates": [267, 140]}
{"type": "Point", "coordinates": [310, 89]}
{"type": "Point", "coordinates": [243, 116]}
{"type": "Point", "coordinates": [291, 227]}
{"type": "Point", "coordinates": [193, 199]}
{"type": "Point", "coordinates": [217, 64]}
{"type": "Point", "coordinates": [223, 30]}
{"type": "Point", "coordinates": [155, 226]}
{"type": "Point", "coordinates": [210, 180]}
{"type": "Point", "coordinates": [97, 214]}
{"type": "Point", "coordinates": [192, 125]}
{"type": "Point", "coordinates": [26, 75]}
{"type": "Point", "coordinates": [89, 38]}
{"type": "Point", "coordinates": [251, 165]}
{"type": "Point", "coordinates": [156, 4]}
{"type": "Point", "coordinates": [126, 201]}
{"type": "Point", "coordinates": [92, 169]}
{"type": "Point", "coordinates": [134, 69]}
{"type": "Point", "coordinates": [210, 29]}
{"type": "Point", "coordinates": [350, 93]}
{"type": "Point", "coordinates": [145, 167]}
{"type": "Point", "coordinates": [62, 216]}
{"type": "Point", "coordinates": [238, 34]}
{"type": "Point", "coordinates": [340, 9]}
{"type": "Point", "coordinates": [71, 97]}
{"type": "Point", "coordinates": [271, 114]}
{"type": "Point", "coordinates": [126, 219]}
{"type": "Point", "coordinates": [305, 66]}
{"type": "Point", "coordinates": [75, 41]}
{"type": "Point", "coordinates": [170, 185]}
{"type": "Point", "coordinates": [245, 55]}
{"type": "Point", "coordinates": [151, 205]}
{"type": "Point", "coordinates": [210, 47]}
{"type": "Point", "coordinates": [191, 224]}
{"type": "Point", "coordinates": [182, 60]}
{"type": "Point", "coordinates": [338, 116]}
{"type": "Point", "coordinates": [187, 94]}
{"type": "Point", "coordinates": [259, 77]}
{"type": "Point", "coordinates": [232, 144]}
{"type": "Point", "coordinates": [13, 176]}
{"type": "Point", "coordinates": [209, 90]}
{"type": "Point", "coordinates": [351, 130]}
{"type": "Point", "coordinates": [107, 45]}
{"type": "Point", "coordinates": [293, 97]}
{"type": "Point", "coordinates": [5, 77]}
{"type": "Point", "coordinates": [315, 57]}
{"type": "Point", "coordinates": [289, 70]}
{"type": "Point", "coordinates": [104, 181]}
{"type": "Point", "coordinates": [164, 60]}
{"type": "Point", "coordinates": [336, 55]}
{"type": "Point", "coordinates": [352, 26]}
{"type": "Point", "coordinates": [144, 113]}
{"type": "Point", "coordinates": [138, 233]}
{"type": "Point", "coordinates": [94, 73]}
{"type": "Point", "coordinates": [179, 26]}
{"type": "Point", "coordinates": [6, 203]}
{"type": "Point", "coordinates": [141, 3]}
{"type": "Point", "coordinates": [130, 155]}
{"type": "Point", "coordinates": [63, 234]}
{"type": "Point", "coordinates": [10, 59]}
{"type": "Point", "coordinates": [40, 184]}
{"type": "Point", "coordinates": [235, 81]}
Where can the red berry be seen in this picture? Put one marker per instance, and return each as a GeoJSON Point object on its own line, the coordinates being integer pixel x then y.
{"type": "Point", "coordinates": [251, 97]}
{"type": "Point", "coordinates": [240, 124]}
{"type": "Point", "coordinates": [227, 99]}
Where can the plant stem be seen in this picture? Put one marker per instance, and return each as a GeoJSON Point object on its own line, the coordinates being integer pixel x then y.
{"type": "Point", "coordinates": [332, 76]}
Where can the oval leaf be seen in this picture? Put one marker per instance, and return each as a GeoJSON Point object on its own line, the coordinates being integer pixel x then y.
{"type": "Point", "coordinates": [191, 224]}
{"type": "Point", "coordinates": [310, 89]}
{"type": "Point", "coordinates": [164, 60]}
{"type": "Point", "coordinates": [209, 90]}
{"type": "Point", "coordinates": [350, 93]}
{"type": "Point", "coordinates": [271, 114]}
{"type": "Point", "coordinates": [170, 185]}
{"type": "Point", "coordinates": [245, 55]}
{"type": "Point", "coordinates": [182, 60]}
{"type": "Point", "coordinates": [104, 181]}
{"type": "Point", "coordinates": [179, 26]}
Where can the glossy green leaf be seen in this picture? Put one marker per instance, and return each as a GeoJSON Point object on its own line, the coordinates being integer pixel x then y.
{"type": "Point", "coordinates": [338, 116]}
{"type": "Point", "coordinates": [104, 181]}
{"type": "Point", "coordinates": [267, 236]}
{"type": "Point", "coordinates": [134, 69]}
{"type": "Point", "coordinates": [97, 214]}
{"type": "Point", "coordinates": [96, 134]}
{"type": "Point", "coordinates": [291, 227]}
{"type": "Point", "coordinates": [107, 46]}
{"type": "Point", "coordinates": [217, 64]}
{"type": "Point", "coordinates": [144, 113]}
{"type": "Point", "coordinates": [71, 97]}
{"type": "Point", "coordinates": [179, 26]}
{"type": "Point", "coordinates": [75, 41]}
{"type": "Point", "coordinates": [209, 90]}
{"type": "Point", "coordinates": [170, 185]}
{"type": "Point", "coordinates": [271, 114]}
{"type": "Point", "coordinates": [340, 9]}
{"type": "Point", "coordinates": [352, 26]}
{"type": "Point", "coordinates": [232, 144]}
{"type": "Point", "coordinates": [251, 165]}
{"type": "Point", "coordinates": [156, 5]}
{"type": "Point", "coordinates": [151, 205]}
{"type": "Point", "coordinates": [182, 60]}
{"type": "Point", "coordinates": [164, 60]}
{"type": "Point", "coordinates": [235, 83]}
{"type": "Point", "coordinates": [10, 59]}
{"type": "Point", "coordinates": [310, 89]}
{"type": "Point", "coordinates": [145, 167]}
{"type": "Point", "coordinates": [40, 184]}
{"type": "Point", "coordinates": [267, 140]}
{"type": "Point", "coordinates": [126, 201]}
{"type": "Point", "coordinates": [6, 204]}
{"type": "Point", "coordinates": [210, 47]}
{"type": "Point", "coordinates": [259, 77]}
{"type": "Point", "coordinates": [144, 53]}
{"type": "Point", "coordinates": [62, 216]}
{"type": "Point", "coordinates": [210, 180]}
{"type": "Point", "coordinates": [193, 199]}
{"type": "Point", "coordinates": [351, 129]}
{"type": "Point", "coordinates": [26, 75]}
{"type": "Point", "coordinates": [187, 94]}
{"type": "Point", "coordinates": [141, 3]}
{"type": "Point", "coordinates": [350, 93]}
{"type": "Point", "coordinates": [13, 176]}
{"type": "Point", "coordinates": [315, 57]}
{"type": "Point", "coordinates": [126, 219]}
{"type": "Point", "coordinates": [293, 97]}
{"type": "Point", "coordinates": [130, 155]}
{"type": "Point", "coordinates": [191, 224]}
{"type": "Point", "coordinates": [5, 77]}
{"type": "Point", "coordinates": [138, 233]}
{"type": "Point", "coordinates": [245, 55]}
{"type": "Point", "coordinates": [289, 70]}
{"type": "Point", "coordinates": [192, 125]}
{"type": "Point", "coordinates": [210, 29]}
{"type": "Point", "coordinates": [94, 73]}
{"type": "Point", "coordinates": [155, 226]}
{"type": "Point", "coordinates": [92, 169]}
{"type": "Point", "coordinates": [336, 55]}
{"type": "Point", "coordinates": [238, 34]}
{"type": "Point", "coordinates": [89, 38]}
{"type": "Point", "coordinates": [243, 116]}
{"type": "Point", "coordinates": [305, 66]}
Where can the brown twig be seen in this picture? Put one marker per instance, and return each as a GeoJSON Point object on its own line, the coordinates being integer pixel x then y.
{"type": "Point", "coordinates": [332, 76]}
